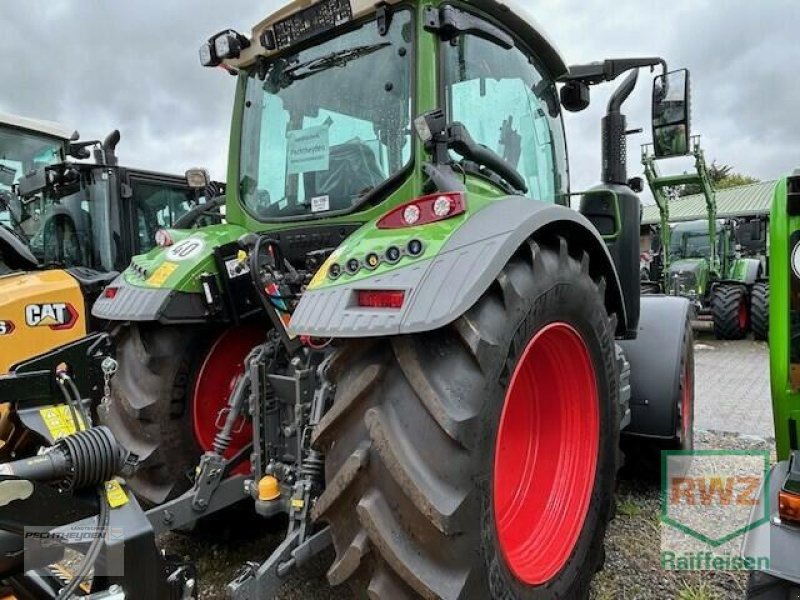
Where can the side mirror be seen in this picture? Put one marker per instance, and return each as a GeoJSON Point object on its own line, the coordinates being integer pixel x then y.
{"type": "Point", "coordinates": [575, 96]}
{"type": "Point", "coordinates": [197, 179]}
{"type": "Point", "coordinates": [671, 119]}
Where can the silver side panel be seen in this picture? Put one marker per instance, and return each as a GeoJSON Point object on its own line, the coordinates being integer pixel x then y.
{"type": "Point", "coordinates": [131, 303]}
{"type": "Point", "coordinates": [778, 541]}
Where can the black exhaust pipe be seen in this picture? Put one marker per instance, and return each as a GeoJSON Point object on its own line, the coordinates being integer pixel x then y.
{"type": "Point", "coordinates": [109, 146]}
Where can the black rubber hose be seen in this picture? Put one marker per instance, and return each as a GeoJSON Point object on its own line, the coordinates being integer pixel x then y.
{"type": "Point", "coordinates": [90, 558]}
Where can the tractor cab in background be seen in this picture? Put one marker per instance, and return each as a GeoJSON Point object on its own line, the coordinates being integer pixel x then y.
{"type": "Point", "coordinates": [71, 228]}
{"type": "Point", "coordinates": [25, 145]}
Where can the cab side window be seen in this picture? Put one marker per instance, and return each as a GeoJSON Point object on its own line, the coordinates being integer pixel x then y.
{"type": "Point", "coordinates": [158, 205]}
{"type": "Point", "coordinates": [509, 105]}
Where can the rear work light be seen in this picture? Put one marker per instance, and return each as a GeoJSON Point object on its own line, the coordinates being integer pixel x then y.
{"type": "Point", "coordinates": [428, 209]}
{"type": "Point", "coordinates": [381, 298]}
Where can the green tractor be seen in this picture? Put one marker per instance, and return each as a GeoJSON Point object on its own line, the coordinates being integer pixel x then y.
{"type": "Point", "coordinates": [402, 337]}
{"type": "Point", "coordinates": [778, 539]}
{"type": "Point", "coordinates": [700, 260]}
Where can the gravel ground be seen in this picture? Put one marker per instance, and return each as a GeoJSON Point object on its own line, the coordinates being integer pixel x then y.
{"type": "Point", "coordinates": [632, 570]}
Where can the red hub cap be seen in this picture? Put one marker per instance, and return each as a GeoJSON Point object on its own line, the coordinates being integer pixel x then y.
{"type": "Point", "coordinates": [223, 365]}
{"type": "Point", "coordinates": [743, 313]}
{"type": "Point", "coordinates": [546, 454]}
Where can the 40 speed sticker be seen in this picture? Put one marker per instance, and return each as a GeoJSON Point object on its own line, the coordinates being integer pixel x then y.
{"type": "Point", "coordinates": [186, 249]}
{"type": "Point", "coordinates": [6, 327]}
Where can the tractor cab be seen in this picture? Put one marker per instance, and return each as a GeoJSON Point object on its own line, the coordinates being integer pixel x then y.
{"type": "Point", "coordinates": [25, 145]}
{"type": "Point", "coordinates": [73, 226]}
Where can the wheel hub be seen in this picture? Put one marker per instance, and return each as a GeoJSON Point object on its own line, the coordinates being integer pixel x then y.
{"type": "Point", "coordinates": [216, 379]}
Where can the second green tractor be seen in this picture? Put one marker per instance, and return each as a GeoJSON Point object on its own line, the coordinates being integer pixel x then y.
{"type": "Point", "coordinates": [700, 259]}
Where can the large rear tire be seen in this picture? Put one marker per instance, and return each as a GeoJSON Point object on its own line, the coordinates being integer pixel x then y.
{"type": "Point", "coordinates": [427, 437]}
{"type": "Point", "coordinates": [759, 310]}
{"type": "Point", "coordinates": [730, 310]}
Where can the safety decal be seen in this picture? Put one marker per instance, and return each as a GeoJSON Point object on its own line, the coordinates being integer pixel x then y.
{"type": "Point", "coordinates": [115, 495]}
{"type": "Point", "coordinates": [58, 420]}
{"type": "Point", "coordinates": [55, 315]}
{"type": "Point", "coordinates": [161, 274]}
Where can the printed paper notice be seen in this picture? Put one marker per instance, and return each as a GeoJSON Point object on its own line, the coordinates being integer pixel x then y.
{"type": "Point", "coordinates": [308, 150]}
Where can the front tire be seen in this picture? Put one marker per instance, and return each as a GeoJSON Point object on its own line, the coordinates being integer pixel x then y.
{"type": "Point", "coordinates": [730, 310]}
{"type": "Point", "coordinates": [427, 433]}
{"type": "Point", "coordinates": [759, 310]}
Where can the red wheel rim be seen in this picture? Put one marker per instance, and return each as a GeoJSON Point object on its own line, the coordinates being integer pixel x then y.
{"type": "Point", "coordinates": [546, 454]}
{"type": "Point", "coordinates": [743, 314]}
{"type": "Point", "coordinates": [686, 403]}
{"type": "Point", "coordinates": [223, 365]}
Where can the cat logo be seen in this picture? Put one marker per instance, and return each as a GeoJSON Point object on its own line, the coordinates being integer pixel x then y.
{"type": "Point", "coordinates": [55, 315]}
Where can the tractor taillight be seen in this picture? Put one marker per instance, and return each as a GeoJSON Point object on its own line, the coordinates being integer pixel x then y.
{"type": "Point", "coordinates": [110, 293]}
{"type": "Point", "coordinates": [422, 211]}
{"type": "Point", "coordinates": [381, 298]}
{"type": "Point", "coordinates": [789, 506]}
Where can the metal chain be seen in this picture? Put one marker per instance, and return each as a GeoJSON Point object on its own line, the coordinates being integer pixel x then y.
{"type": "Point", "coordinates": [109, 367]}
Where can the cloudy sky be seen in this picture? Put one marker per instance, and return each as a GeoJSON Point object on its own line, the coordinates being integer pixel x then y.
{"type": "Point", "coordinates": [96, 64]}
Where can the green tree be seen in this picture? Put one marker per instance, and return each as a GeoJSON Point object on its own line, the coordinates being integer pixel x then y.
{"type": "Point", "coordinates": [722, 176]}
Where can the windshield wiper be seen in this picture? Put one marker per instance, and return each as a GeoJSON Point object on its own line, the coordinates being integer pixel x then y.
{"type": "Point", "coordinates": [335, 59]}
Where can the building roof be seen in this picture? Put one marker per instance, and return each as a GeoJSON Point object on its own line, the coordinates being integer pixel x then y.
{"type": "Point", "coordinates": [50, 128]}
{"type": "Point", "coordinates": [741, 201]}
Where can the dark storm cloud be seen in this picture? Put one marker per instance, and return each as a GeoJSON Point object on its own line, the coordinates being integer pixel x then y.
{"type": "Point", "coordinates": [95, 65]}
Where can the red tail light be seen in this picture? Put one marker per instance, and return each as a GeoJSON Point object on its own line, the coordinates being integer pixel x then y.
{"type": "Point", "coordinates": [381, 298]}
{"type": "Point", "coordinates": [428, 209]}
{"type": "Point", "coordinates": [110, 293]}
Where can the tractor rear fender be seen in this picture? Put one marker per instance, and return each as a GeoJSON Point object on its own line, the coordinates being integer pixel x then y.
{"type": "Point", "coordinates": [773, 544]}
{"type": "Point", "coordinates": [655, 358]}
{"type": "Point", "coordinates": [752, 270]}
{"type": "Point", "coordinates": [442, 288]}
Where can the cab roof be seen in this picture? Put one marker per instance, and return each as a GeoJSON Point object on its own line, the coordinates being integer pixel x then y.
{"type": "Point", "coordinates": [512, 13]}
{"type": "Point", "coordinates": [49, 128]}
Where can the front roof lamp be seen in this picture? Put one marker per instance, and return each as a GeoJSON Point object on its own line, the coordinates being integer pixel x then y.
{"type": "Point", "coordinates": [224, 45]}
